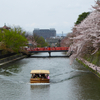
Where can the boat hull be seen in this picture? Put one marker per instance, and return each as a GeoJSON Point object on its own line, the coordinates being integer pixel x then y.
{"type": "Point", "coordinates": [39, 80]}
{"type": "Point", "coordinates": [39, 83]}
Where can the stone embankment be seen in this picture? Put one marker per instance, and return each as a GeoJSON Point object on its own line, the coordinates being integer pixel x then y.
{"type": "Point", "coordinates": [95, 69]}
{"type": "Point", "coordinates": [10, 59]}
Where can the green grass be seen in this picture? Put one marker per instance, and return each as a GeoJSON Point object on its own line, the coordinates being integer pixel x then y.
{"type": "Point", "coordinates": [94, 59]}
{"type": "Point", "coordinates": [95, 72]}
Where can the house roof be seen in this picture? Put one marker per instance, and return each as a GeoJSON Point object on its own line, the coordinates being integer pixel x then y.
{"type": "Point", "coordinates": [5, 27]}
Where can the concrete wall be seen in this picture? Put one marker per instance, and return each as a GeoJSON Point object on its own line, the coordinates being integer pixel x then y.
{"type": "Point", "coordinates": [11, 59]}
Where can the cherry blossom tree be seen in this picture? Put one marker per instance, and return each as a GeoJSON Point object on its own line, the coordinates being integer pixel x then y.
{"type": "Point", "coordinates": [66, 42]}
{"type": "Point", "coordinates": [31, 41]}
{"type": "Point", "coordinates": [86, 34]}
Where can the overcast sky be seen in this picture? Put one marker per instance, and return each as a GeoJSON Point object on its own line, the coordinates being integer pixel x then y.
{"type": "Point", "coordinates": [43, 14]}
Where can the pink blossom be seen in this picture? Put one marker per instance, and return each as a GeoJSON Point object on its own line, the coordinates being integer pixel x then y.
{"type": "Point", "coordinates": [86, 35]}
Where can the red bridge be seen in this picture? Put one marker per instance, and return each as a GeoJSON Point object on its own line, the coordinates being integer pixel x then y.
{"type": "Point", "coordinates": [48, 49]}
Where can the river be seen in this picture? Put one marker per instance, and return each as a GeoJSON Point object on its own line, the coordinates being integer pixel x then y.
{"type": "Point", "coordinates": [67, 82]}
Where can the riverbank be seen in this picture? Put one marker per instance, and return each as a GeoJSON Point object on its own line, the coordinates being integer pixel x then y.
{"type": "Point", "coordinates": [10, 59]}
{"type": "Point", "coordinates": [93, 68]}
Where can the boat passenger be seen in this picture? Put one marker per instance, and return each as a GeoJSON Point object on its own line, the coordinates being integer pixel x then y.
{"type": "Point", "coordinates": [32, 76]}
{"type": "Point", "coordinates": [43, 76]}
{"type": "Point", "coordinates": [37, 76]}
{"type": "Point", "coordinates": [48, 77]}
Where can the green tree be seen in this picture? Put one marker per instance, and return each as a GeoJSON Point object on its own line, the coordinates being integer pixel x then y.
{"type": "Point", "coordinates": [40, 41]}
{"type": "Point", "coordinates": [82, 17]}
{"type": "Point", "coordinates": [12, 40]}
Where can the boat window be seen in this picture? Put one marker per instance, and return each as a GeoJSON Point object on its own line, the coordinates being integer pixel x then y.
{"type": "Point", "coordinates": [45, 76]}
{"type": "Point", "coordinates": [36, 75]}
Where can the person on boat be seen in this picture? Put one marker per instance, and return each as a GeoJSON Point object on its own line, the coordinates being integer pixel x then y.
{"type": "Point", "coordinates": [45, 76]}
{"type": "Point", "coordinates": [32, 76]}
{"type": "Point", "coordinates": [42, 76]}
{"type": "Point", "coordinates": [48, 77]}
{"type": "Point", "coordinates": [37, 76]}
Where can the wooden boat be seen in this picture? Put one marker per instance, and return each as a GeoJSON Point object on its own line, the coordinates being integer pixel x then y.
{"type": "Point", "coordinates": [40, 76]}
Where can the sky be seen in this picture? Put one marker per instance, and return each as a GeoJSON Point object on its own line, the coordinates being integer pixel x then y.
{"type": "Point", "coordinates": [43, 14]}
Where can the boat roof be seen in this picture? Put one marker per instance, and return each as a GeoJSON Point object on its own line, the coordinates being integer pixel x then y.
{"type": "Point", "coordinates": [40, 72]}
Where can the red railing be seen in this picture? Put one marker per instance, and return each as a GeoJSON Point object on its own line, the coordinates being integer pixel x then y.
{"type": "Point", "coordinates": [48, 49]}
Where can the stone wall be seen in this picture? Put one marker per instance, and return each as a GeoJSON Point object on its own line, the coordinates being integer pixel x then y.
{"type": "Point", "coordinates": [11, 59]}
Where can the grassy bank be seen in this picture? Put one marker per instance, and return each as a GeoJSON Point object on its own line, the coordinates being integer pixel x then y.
{"type": "Point", "coordinates": [94, 59]}
{"type": "Point", "coordinates": [93, 71]}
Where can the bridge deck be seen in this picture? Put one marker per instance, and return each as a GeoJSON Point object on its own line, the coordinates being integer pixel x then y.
{"type": "Point", "coordinates": [48, 49]}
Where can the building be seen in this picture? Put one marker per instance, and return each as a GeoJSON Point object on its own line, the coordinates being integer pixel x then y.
{"type": "Point", "coordinates": [54, 41]}
{"type": "Point", "coordinates": [45, 33]}
{"type": "Point", "coordinates": [5, 27]}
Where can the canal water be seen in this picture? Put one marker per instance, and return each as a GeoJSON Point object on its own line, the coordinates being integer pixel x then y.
{"type": "Point", "coordinates": [67, 82]}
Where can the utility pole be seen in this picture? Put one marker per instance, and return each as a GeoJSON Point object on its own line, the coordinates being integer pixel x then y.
{"type": "Point", "coordinates": [62, 33]}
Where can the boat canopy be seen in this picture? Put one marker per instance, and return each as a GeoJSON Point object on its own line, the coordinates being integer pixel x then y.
{"type": "Point", "coordinates": [40, 72]}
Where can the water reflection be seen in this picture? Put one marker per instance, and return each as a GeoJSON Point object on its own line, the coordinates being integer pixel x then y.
{"type": "Point", "coordinates": [12, 68]}
{"type": "Point", "coordinates": [33, 87]}
{"type": "Point", "coordinates": [87, 87]}
{"type": "Point", "coordinates": [40, 92]}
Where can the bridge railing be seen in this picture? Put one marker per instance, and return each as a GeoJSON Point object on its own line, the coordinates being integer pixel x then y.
{"type": "Point", "coordinates": [48, 49]}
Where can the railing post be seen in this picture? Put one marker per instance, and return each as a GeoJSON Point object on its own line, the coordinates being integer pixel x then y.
{"type": "Point", "coordinates": [49, 54]}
